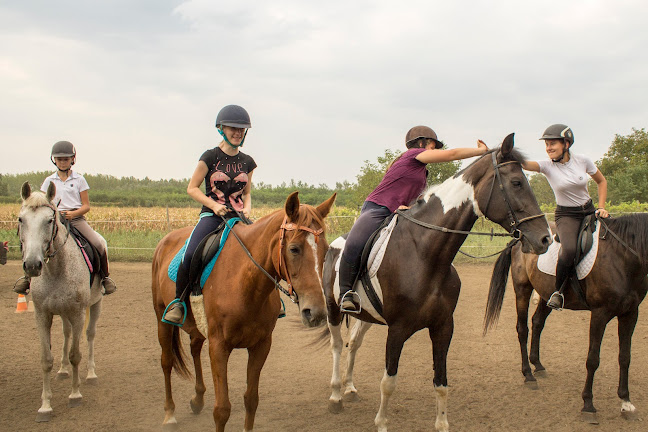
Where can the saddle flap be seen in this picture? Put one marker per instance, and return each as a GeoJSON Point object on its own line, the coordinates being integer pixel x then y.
{"type": "Point", "coordinates": [90, 254]}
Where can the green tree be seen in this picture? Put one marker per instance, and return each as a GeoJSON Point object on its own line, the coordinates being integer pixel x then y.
{"type": "Point", "coordinates": [625, 166]}
{"type": "Point", "coordinates": [543, 192]}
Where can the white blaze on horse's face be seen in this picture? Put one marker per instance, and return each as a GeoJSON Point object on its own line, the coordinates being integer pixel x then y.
{"type": "Point", "coordinates": [313, 244]}
{"type": "Point", "coordinates": [36, 227]}
{"type": "Point", "coordinates": [453, 193]}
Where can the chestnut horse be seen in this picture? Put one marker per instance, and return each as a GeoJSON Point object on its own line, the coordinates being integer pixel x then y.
{"type": "Point", "coordinates": [419, 285]}
{"type": "Point", "coordinates": [615, 287]}
{"type": "Point", "coordinates": [240, 302]}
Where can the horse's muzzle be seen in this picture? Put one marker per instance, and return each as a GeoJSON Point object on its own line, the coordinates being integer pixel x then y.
{"type": "Point", "coordinates": [536, 246]}
{"type": "Point", "coordinates": [33, 268]}
{"type": "Point", "coordinates": [311, 319]}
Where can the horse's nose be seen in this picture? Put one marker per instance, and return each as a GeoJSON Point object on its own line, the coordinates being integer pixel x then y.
{"type": "Point", "coordinates": [33, 267]}
{"type": "Point", "coordinates": [306, 315]}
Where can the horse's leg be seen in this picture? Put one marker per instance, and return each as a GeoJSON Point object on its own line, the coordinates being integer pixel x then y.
{"type": "Point", "coordinates": [91, 331]}
{"type": "Point", "coordinates": [598, 322]}
{"type": "Point", "coordinates": [396, 337]}
{"type": "Point", "coordinates": [441, 338]}
{"type": "Point", "coordinates": [335, 400]}
{"type": "Point", "coordinates": [627, 323]}
{"type": "Point", "coordinates": [257, 356]}
{"type": "Point", "coordinates": [538, 323]}
{"type": "Point", "coordinates": [44, 323]}
{"type": "Point", "coordinates": [165, 337]}
{"type": "Point", "coordinates": [198, 401]}
{"type": "Point", "coordinates": [355, 342]}
{"type": "Point", "coordinates": [64, 370]}
{"type": "Point", "coordinates": [75, 397]}
{"type": "Point", "coordinates": [219, 356]}
{"type": "Point", "coordinates": [522, 297]}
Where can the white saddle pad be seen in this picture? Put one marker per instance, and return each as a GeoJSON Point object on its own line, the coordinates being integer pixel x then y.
{"type": "Point", "coordinates": [548, 260]}
{"type": "Point", "coordinates": [376, 256]}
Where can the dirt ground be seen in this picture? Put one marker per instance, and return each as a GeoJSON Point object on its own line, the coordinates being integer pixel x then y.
{"type": "Point", "coordinates": [486, 386]}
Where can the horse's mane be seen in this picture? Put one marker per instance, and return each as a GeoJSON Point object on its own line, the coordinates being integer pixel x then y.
{"type": "Point", "coordinates": [633, 229]}
{"type": "Point", "coordinates": [516, 155]}
{"type": "Point", "coordinates": [36, 199]}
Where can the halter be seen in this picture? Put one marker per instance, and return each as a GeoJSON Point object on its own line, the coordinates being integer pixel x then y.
{"type": "Point", "coordinates": [289, 226]}
{"type": "Point", "coordinates": [515, 222]}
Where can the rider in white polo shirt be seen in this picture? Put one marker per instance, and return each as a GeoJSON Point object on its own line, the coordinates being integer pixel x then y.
{"type": "Point", "coordinates": [73, 203]}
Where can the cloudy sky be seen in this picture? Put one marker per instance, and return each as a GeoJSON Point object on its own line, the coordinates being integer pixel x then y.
{"type": "Point", "coordinates": [136, 84]}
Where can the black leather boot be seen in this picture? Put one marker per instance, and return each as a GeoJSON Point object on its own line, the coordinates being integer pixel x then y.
{"type": "Point", "coordinates": [350, 301]}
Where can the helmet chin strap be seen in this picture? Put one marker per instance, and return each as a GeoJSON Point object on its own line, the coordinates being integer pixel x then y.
{"type": "Point", "coordinates": [562, 155]}
{"type": "Point", "coordinates": [220, 131]}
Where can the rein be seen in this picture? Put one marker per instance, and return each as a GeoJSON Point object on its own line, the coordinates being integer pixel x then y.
{"type": "Point", "coordinates": [623, 243]}
{"type": "Point", "coordinates": [285, 226]}
{"type": "Point", "coordinates": [514, 220]}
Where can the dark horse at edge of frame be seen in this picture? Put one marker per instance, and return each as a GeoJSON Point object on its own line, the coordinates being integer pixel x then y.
{"type": "Point", "coordinates": [615, 287]}
{"type": "Point", "coordinates": [240, 304]}
{"type": "Point", "coordinates": [420, 286]}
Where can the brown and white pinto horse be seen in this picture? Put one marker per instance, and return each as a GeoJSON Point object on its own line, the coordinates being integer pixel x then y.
{"type": "Point", "coordinates": [615, 287]}
{"type": "Point", "coordinates": [240, 303]}
{"type": "Point", "coordinates": [419, 285]}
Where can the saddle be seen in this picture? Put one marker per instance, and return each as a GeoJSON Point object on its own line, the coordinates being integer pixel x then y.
{"type": "Point", "coordinates": [585, 237]}
{"type": "Point", "coordinates": [90, 254]}
{"type": "Point", "coordinates": [364, 276]}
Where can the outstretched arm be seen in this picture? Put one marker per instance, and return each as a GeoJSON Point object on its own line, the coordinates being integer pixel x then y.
{"type": "Point", "coordinates": [435, 156]}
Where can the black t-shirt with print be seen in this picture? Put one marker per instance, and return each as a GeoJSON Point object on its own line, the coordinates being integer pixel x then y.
{"type": "Point", "coordinates": [226, 177]}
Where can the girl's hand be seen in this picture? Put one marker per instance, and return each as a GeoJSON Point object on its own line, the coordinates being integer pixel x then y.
{"type": "Point", "coordinates": [246, 212]}
{"type": "Point", "coordinates": [481, 145]}
{"type": "Point", "coordinates": [67, 215]}
{"type": "Point", "coordinates": [601, 212]}
{"type": "Point", "coordinates": [219, 209]}
{"type": "Point", "coordinates": [403, 207]}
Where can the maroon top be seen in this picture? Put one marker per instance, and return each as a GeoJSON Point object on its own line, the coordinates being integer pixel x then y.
{"type": "Point", "coordinates": [402, 183]}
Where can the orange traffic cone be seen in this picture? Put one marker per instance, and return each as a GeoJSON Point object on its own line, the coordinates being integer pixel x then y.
{"type": "Point", "coordinates": [21, 306]}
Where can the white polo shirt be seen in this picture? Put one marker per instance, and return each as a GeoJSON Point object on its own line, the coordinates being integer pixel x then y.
{"type": "Point", "coordinates": [569, 180]}
{"type": "Point", "coordinates": [68, 192]}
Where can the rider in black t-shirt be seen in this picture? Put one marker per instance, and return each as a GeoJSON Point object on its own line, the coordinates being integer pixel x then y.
{"type": "Point", "coordinates": [227, 174]}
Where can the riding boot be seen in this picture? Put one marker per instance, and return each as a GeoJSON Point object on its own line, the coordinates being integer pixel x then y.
{"type": "Point", "coordinates": [557, 299]}
{"type": "Point", "coordinates": [350, 301]}
{"type": "Point", "coordinates": [108, 285]}
{"type": "Point", "coordinates": [176, 312]}
{"type": "Point", "coordinates": [22, 285]}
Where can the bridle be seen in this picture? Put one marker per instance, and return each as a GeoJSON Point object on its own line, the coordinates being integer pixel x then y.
{"type": "Point", "coordinates": [515, 222]}
{"type": "Point", "coordinates": [51, 251]}
{"type": "Point", "coordinates": [283, 267]}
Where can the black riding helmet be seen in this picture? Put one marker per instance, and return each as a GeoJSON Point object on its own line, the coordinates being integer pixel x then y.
{"type": "Point", "coordinates": [233, 116]}
{"type": "Point", "coordinates": [418, 132]}
{"type": "Point", "coordinates": [559, 131]}
{"type": "Point", "coordinates": [63, 149]}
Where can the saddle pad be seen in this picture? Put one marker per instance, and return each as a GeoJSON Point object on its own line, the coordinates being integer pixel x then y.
{"type": "Point", "coordinates": [378, 250]}
{"type": "Point", "coordinates": [174, 265]}
{"type": "Point", "coordinates": [547, 262]}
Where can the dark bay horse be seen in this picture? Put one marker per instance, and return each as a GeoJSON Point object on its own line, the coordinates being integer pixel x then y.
{"type": "Point", "coordinates": [60, 285]}
{"type": "Point", "coordinates": [240, 304]}
{"type": "Point", "coordinates": [615, 287]}
{"type": "Point", "coordinates": [419, 285]}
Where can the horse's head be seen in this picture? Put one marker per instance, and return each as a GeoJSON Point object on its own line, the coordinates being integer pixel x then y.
{"type": "Point", "coordinates": [303, 247]}
{"type": "Point", "coordinates": [37, 227]}
{"type": "Point", "coordinates": [504, 196]}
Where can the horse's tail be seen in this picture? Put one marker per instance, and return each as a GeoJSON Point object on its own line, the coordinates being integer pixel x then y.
{"type": "Point", "coordinates": [179, 362]}
{"type": "Point", "coordinates": [497, 289]}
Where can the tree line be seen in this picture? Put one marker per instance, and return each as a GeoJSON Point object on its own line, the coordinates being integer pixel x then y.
{"type": "Point", "coordinates": [625, 166]}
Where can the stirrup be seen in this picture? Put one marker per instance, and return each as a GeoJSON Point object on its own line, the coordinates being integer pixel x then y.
{"type": "Point", "coordinates": [104, 286]}
{"type": "Point", "coordinates": [353, 297]}
{"type": "Point", "coordinates": [561, 299]}
{"type": "Point", "coordinates": [184, 317]}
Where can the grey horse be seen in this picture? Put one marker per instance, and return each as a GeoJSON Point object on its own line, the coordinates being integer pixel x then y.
{"type": "Point", "coordinates": [60, 285]}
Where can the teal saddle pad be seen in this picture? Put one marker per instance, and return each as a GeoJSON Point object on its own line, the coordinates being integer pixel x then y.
{"type": "Point", "coordinates": [177, 260]}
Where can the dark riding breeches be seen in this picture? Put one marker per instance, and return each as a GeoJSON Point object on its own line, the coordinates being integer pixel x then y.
{"type": "Point", "coordinates": [568, 222]}
{"type": "Point", "coordinates": [371, 216]}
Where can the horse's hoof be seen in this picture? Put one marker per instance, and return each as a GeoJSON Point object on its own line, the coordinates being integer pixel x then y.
{"type": "Point", "coordinates": [351, 396]}
{"type": "Point", "coordinates": [531, 384]}
{"type": "Point", "coordinates": [44, 416]}
{"type": "Point", "coordinates": [62, 375]}
{"type": "Point", "coordinates": [170, 427]}
{"type": "Point", "coordinates": [589, 417]}
{"type": "Point", "coordinates": [629, 415]}
{"type": "Point", "coordinates": [540, 373]}
{"type": "Point", "coordinates": [92, 380]}
{"type": "Point", "coordinates": [335, 407]}
{"type": "Point", "coordinates": [75, 402]}
{"type": "Point", "coordinates": [196, 408]}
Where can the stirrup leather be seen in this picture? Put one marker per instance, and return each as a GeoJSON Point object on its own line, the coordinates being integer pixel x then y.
{"type": "Point", "coordinates": [561, 299]}
{"type": "Point", "coordinates": [353, 297]}
{"type": "Point", "coordinates": [184, 317]}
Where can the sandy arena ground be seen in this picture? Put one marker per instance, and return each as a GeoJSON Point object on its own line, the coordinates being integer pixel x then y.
{"type": "Point", "coordinates": [486, 386]}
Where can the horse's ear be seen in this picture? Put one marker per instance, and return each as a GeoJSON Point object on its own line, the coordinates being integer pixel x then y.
{"type": "Point", "coordinates": [507, 145]}
{"type": "Point", "coordinates": [324, 208]}
{"type": "Point", "coordinates": [292, 206]}
{"type": "Point", "coordinates": [25, 191]}
{"type": "Point", "coordinates": [51, 192]}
